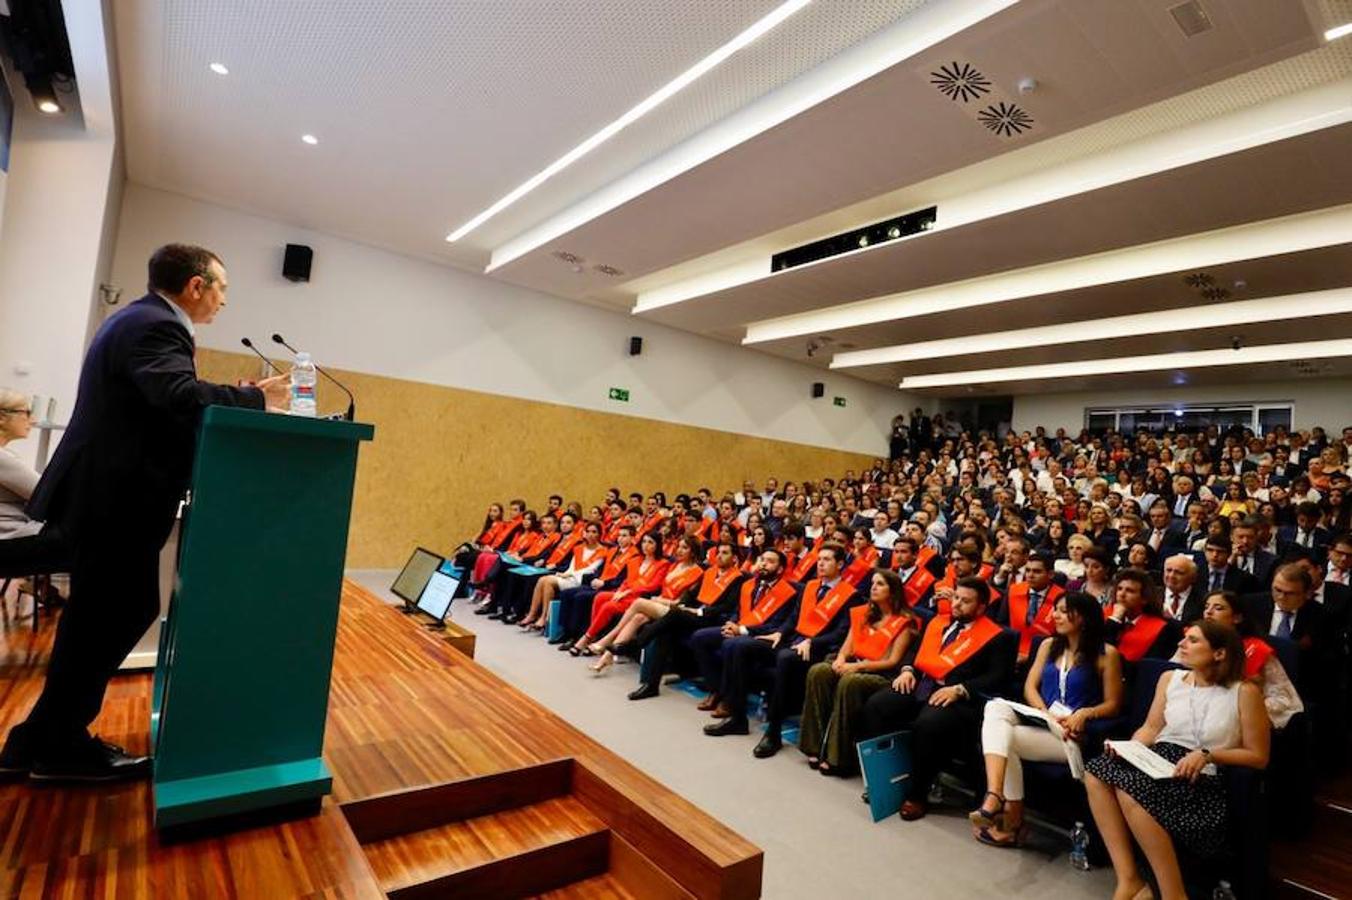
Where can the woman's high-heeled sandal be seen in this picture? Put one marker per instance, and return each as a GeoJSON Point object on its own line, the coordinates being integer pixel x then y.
{"type": "Point", "coordinates": [980, 818]}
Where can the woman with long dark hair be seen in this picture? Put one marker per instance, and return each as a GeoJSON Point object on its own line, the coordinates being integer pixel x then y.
{"type": "Point", "coordinates": [1075, 677]}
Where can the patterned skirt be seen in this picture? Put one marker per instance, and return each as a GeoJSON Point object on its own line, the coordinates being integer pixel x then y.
{"type": "Point", "coordinates": [1193, 812]}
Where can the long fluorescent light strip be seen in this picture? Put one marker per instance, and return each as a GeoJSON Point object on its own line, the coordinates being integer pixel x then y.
{"type": "Point", "coordinates": [663, 94]}
{"type": "Point", "coordinates": [1130, 364]}
{"type": "Point", "coordinates": [1243, 312]}
{"type": "Point", "coordinates": [1341, 31]}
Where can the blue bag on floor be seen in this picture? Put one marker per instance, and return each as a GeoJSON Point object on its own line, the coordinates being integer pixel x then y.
{"type": "Point", "coordinates": [886, 764]}
{"type": "Point", "coordinates": [555, 629]}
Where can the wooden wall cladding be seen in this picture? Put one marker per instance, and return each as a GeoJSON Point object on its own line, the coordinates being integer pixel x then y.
{"type": "Point", "coordinates": [442, 454]}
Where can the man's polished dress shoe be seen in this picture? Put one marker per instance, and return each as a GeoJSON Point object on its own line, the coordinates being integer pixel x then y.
{"type": "Point", "coordinates": [912, 810]}
{"type": "Point", "coordinates": [89, 763]}
{"type": "Point", "coordinates": [726, 727]}
{"type": "Point", "coordinates": [644, 692]}
{"type": "Point", "coordinates": [768, 746]}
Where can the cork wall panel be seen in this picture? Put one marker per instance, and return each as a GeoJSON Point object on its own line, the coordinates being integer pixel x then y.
{"type": "Point", "coordinates": [442, 454]}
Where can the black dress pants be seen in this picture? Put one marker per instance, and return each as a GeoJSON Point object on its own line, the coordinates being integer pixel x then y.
{"type": "Point", "coordinates": [938, 733]}
{"type": "Point", "coordinates": [664, 636]}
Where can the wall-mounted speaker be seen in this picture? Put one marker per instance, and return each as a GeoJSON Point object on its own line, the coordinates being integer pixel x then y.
{"type": "Point", "coordinates": [818, 389]}
{"type": "Point", "coordinates": [296, 262]}
{"type": "Point", "coordinates": [635, 346]}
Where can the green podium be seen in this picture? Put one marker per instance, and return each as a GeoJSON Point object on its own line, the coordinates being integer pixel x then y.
{"type": "Point", "coordinates": [242, 681]}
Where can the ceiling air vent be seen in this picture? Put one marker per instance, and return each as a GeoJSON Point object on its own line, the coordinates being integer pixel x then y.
{"type": "Point", "coordinates": [1191, 18]}
{"type": "Point", "coordinates": [877, 233]}
{"type": "Point", "coordinates": [571, 258]}
{"type": "Point", "coordinates": [608, 271]}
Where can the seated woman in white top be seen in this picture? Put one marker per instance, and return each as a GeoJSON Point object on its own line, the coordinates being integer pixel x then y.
{"type": "Point", "coordinates": [1073, 566]}
{"type": "Point", "coordinates": [1261, 665]}
{"type": "Point", "coordinates": [1200, 718]}
{"type": "Point", "coordinates": [26, 546]}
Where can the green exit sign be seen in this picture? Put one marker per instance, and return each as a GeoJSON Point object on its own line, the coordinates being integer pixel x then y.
{"type": "Point", "coordinates": [840, 401]}
{"type": "Point", "coordinates": [620, 394]}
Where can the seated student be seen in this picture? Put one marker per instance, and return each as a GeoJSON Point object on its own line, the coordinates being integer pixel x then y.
{"type": "Point", "coordinates": [881, 630]}
{"type": "Point", "coordinates": [1097, 581]}
{"type": "Point", "coordinates": [792, 544]}
{"type": "Point", "coordinates": [962, 657]}
{"type": "Point", "coordinates": [1261, 665]}
{"type": "Point", "coordinates": [965, 562]}
{"type": "Point", "coordinates": [1027, 605]}
{"type": "Point", "coordinates": [1306, 532]}
{"type": "Point", "coordinates": [810, 629]}
{"type": "Point", "coordinates": [532, 552]}
{"type": "Point", "coordinates": [1203, 717]}
{"type": "Point", "coordinates": [575, 604]}
{"type": "Point", "coordinates": [550, 552]}
{"type": "Point", "coordinates": [806, 566]}
{"type": "Point", "coordinates": [864, 557]}
{"type": "Point", "coordinates": [681, 577]}
{"type": "Point", "coordinates": [1076, 678]}
{"type": "Point", "coordinates": [917, 581]}
{"type": "Point", "coordinates": [762, 600]}
{"type": "Point", "coordinates": [759, 541]}
{"type": "Point", "coordinates": [1136, 624]}
{"type": "Point", "coordinates": [710, 601]}
{"type": "Point", "coordinates": [490, 564]}
{"type": "Point", "coordinates": [643, 576]}
{"type": "Point", "coordinates": [584, 559]}
{"type": "Point", "coordinates": [501, 538]}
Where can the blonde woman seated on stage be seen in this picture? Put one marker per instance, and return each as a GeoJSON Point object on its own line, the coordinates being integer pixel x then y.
{"type": "Point", "coordinates": [683, 576]}
{"type": "Point", "coordinates": [1075, 677]}
{"type": "Point", "coordinates": [880, 632]}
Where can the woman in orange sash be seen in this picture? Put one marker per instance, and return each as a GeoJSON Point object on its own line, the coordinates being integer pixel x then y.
{"type": "Point", "coordinates": [880, 632]}
{"type": "Point", "coordinates": [584, 559]}
{"type": "Point", "coordinates": [680, 578]}
{"type": "Point", "coordinates": [643, 576]}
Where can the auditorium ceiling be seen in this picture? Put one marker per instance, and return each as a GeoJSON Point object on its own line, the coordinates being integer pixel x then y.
{"type": "Point", "coordinates": [1182, 169]}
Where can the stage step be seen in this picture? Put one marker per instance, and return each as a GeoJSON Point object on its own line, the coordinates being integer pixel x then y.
{"type": "Point", "coordinates": [602, 887]}
{"type": "Point", "coordinates": [512, 853]}
{"type": "Point", "coordinates": [1319, 865]}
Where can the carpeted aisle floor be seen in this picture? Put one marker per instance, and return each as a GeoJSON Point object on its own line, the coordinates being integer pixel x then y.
{"type": "Point", "coordinates": [819, 839]}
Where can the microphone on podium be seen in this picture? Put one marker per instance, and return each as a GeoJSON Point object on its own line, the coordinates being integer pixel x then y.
{"type": "Point", "coordinates": [351, 401]}
{"type": "Point", "coordinates": [271, 365]}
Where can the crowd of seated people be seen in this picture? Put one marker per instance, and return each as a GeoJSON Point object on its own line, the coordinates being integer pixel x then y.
{"type": "Point", "coordinates": [944, 592]}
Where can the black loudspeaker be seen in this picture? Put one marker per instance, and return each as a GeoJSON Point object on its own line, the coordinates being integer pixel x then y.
{"type": "Point", "coordinates": [635, 346]}
{"type": "Point", "coordinates": [296, 263]}
{"type": "Point", "coordinates": [818, 389]}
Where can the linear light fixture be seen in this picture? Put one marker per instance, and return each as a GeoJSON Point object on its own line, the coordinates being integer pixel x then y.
{"type": "Point", "coordinates": [1270, 237]}
{"type": "Point", "coordinates": [664, 93]}
{"type": "Point", "coordinates": [1129, 364]}
{"type": "Point", "coordinates": [1243, 312]}
{"type": "Point", "coordinates": [1341, 31]}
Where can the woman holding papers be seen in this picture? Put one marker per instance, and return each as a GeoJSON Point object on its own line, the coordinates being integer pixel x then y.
{"type": "Point", "coordinates": [1075, 677]}
{"type": "Point", "coordinates": [1203, 717]}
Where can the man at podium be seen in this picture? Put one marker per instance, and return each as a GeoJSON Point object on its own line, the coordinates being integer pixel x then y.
{"type": "Point", "coordinates": [113, 486]}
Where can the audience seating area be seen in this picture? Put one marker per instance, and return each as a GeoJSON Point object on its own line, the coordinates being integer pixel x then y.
{"type": "Point", "coordinates": [1230, 525]}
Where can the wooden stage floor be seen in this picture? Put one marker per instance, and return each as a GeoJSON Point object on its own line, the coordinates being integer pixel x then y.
{"type": "Point", "coordinates": [405, 711]}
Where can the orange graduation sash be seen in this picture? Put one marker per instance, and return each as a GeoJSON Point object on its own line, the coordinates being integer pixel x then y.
{"type": "Point", "coordinates": [863, 564]}
{"type": "Point", "coordinates": [771, 600]}
{"type": "Point", "coordinates": [617, 562]}
{"type": "Point", "coordinates": [937, 662]}
{"type": "Point", "coordinates": [1256, 654]}
{"type": "Point", "coordinates": [806, 566]}
{"type": "Point", "coordinates": [1136, 638]}
{"type": "Point", "coordinates": [677, 583]}
{"type": "Point", "coordinates": [564, 548]}
{"type": "Point", "coordinates": [915, 586]}
{"type": "Point", "coordinates": [1018, 613]}
{"type": "Point", "coordinates": [813, 616]}
{"type": "Point", "coordinates": [715, 581]}
{"type": "Point", "coordinates": [871, 641]}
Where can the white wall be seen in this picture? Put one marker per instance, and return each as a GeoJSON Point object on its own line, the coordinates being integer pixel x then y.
{"type": "Point", "coordinates": [375, 311]}
{"type": "Point", "coordinates": [1326, 402]}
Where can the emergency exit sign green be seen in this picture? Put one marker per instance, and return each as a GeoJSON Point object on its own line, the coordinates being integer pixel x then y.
{"type": "Point", "coordinates": [620, 394]}
{"type": "Point", "coordinates": [840, 401]}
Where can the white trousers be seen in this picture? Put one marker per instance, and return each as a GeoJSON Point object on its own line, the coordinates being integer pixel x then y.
{"type": "Point", "coordinates": [1003, 735]}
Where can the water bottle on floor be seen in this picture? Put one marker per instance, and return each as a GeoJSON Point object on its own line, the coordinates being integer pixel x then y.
{"type": "Point", "coordinates": [1223, 892]}
{"type": "Point", "coordinates": [1079, 847]}
{"type": "Point", "coordinates": [303, 378]}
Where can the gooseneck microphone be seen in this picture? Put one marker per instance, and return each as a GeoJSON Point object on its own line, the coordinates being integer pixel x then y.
{"type": "Point", "coordinates": [351, 401]}
{"type": "Point", "coordinates": [271, 365]}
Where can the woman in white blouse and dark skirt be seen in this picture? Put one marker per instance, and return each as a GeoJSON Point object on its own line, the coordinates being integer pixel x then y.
{"type": "Point", "coordinates": [1203, 717]}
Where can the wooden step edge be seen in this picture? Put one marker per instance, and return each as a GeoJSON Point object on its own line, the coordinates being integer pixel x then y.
{"type": "Point", "coordinates": [389, 815]}
{"type": "Point", "coordinates": [536, 871]}
{"type": "Point", "coordinates": [640, 876]}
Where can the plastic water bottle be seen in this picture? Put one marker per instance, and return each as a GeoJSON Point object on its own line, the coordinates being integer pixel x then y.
{"type": "Point", "coordinates": [303, 378]}
{"type": "Point", "coordinates": [1079, 847]}
{"type": "Point", "coordinates": [1223, 892]}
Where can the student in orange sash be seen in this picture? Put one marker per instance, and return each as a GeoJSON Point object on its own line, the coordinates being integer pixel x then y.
{"type": "Point", "coordinates": [806, 566]}
{"type": "Point", "coordinates": [486, 578]}
{"type": "Point", "coordinates": [880, 633]}
{"type": "Point", "coordinates": [681, 578]}
{"type": "Point", "coordinates": [1136, 624]}
{"type": "Point", "coordinates": [712, 601]}
{"type": "Point", "coordinates": [916, 579]}
{"type": "Point", "coordinates": [1028, 604]}
{"type": "Point", "coordinates": [582, 560]}
{"type": "Point", "coordinates": [763, 603]}
{"type": "Point", "coordinates": [965, 562]}
{"type": "Point", "coordinates": [642, 576]}
{"type": "Point", "coordinates": [792, 545]}
{"type": "Point", "coordinates": [501, 538]}
{"type": "Point", "coordinates": [575, 604]}
{"type": "Point", "coordinates": [961, 658]}
{"type": "Point", "coordinates": [865, 557]}
{"type": "Point", "coordinates": [816, 626]}
{"type": "Point", "coordinates": [553, 544]}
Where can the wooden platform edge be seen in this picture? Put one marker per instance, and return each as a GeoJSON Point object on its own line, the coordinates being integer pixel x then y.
{"type": "Point", "coordinates": [520, 875]}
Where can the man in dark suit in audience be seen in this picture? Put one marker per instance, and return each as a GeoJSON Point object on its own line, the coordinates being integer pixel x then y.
{"type": "Point", "coordinates": [1247, 555]}
{"type": "Point", "coordinates": [1306, 533]}
{"type": "Point", "coordinates": [1165, 536]}
{"type": "Point", "coordinates": [114, 486]}
{"type": "Point", "coordinates": [1218, 574]}
{"type": "Point", "coordinates": [1182, 599]}
{"type": "Point", "coordinates": [1288, 610]}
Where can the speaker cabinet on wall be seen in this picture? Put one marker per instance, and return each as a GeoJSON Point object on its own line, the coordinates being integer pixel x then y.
{"type": "Point", "coordinates": [818, 389]}
{"type": "Point", "coordinates": [296, 262]}
{"type": "Point", "coordinates": [635, 346]}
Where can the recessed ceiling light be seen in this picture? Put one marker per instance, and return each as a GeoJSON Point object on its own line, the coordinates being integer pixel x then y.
{"type": "Point", "coordinates": [1341, 31]}
{"type": "Point", "coordinates": [664, 93]}
{"type": "Point", "coordinates": [309, 139]}
{"type": "Point", "coordinates": [49, 107]}
{"type": "Point", "coordinates": [219, 68]}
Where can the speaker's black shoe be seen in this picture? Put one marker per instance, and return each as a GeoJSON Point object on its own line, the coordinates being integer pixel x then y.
{"type": "Point", "coordinates": [768, 746]}
{"type": "Point", "coordinates": [728, 726]}
{"type": "Point", "coordinates": [644, 692]}
{"type": "Point", "coordinates": [89, 763]}
{"type": "Point", "coordinates": [16, 760]}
